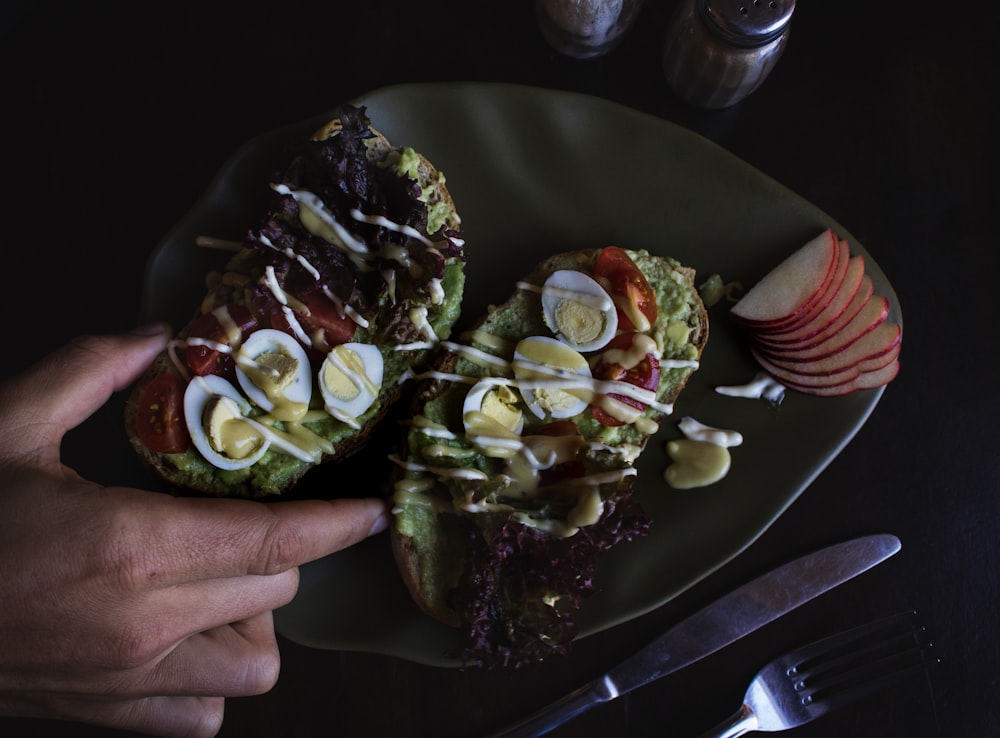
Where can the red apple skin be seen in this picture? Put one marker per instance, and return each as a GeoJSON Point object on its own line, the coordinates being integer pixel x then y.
{"type": "Point", "coordinates": [816, 325]}
{"type": "Point", "coordinates": [829, 375]}
{"type": "Point", "coordinates": [872, 345]}
{"type": "Point", "coordinates": [864, 381]}
{"type": "Point", "coordinates": [857, 304]}
{"type": "Point", "coordinates": [818, 303]}
{"type": "Point", "coordinates": [796, 380]}
{"type": "Point", "coordinates": [793, 286]}
{"type": "Point", "coordinates": [835, 309]}
{"type": "Point", "coordinates": [873, 315]}
{"type": "Point", "coordinates": [871, 365]}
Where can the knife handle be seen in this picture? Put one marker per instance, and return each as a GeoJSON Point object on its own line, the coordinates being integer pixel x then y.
{"type": "Point", "coordinates": [562, 710]}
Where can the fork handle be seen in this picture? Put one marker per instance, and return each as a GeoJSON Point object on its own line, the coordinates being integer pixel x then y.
{"type": "Point", "coordinates": [741, 722]}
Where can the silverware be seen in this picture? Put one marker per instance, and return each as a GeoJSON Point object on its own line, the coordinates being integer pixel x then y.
{"type": "Point", "coordinates": [810, 681]}
{"type": "Point", "coordinates": [719, 624]}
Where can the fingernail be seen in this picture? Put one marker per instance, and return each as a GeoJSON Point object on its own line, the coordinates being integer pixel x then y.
{"type": "Point", "coordinates": [380, 524]}
{"type": "Point", "coordinates": [149, 330]}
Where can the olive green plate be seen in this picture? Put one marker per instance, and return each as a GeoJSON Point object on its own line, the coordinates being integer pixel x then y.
{"type": "Point", "coordinates": [534, 172]}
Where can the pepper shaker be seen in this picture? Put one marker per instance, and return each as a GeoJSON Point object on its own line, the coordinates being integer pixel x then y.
{"type": "Point", "coordinates": [717, 52]}
{"type": "Point", "coordinates": [585, 29]}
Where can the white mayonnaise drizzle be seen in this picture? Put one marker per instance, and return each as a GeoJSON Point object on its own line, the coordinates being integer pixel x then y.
{"type": "Point", "coordinates": [291, 254]}
{"type": "Point", "coordinates": [763, 386]}
{"type": "Point", "coordinates": [316, 207]}
{"type": "Point", "coordinates": [476, 356]}
{"type": "Point", "coordinates": [678, 364]}
{"type": "Point", "coordinates": [598, 302]}
{"type": "Point", "coordinates": [381, 220]}
{"type": "Point", "coordinates": [345, 310]}
{"type": "Point", "coordinates": [697, 431]}
{"type": "Point", "coordinates": [457, 473]}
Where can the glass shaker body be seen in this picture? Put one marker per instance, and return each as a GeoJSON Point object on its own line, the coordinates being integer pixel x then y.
{"type": "Point", "coordinates": [584, 29]}
{"type": "Point", "coordinates": [717, 52]}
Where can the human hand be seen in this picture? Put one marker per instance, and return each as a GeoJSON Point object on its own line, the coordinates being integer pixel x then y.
{"type": "Point", "coordinates": [132, 609]}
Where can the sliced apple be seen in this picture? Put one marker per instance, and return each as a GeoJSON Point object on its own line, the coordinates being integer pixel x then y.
{"type": "Point", "coordinates": [793, 286]}
{"type": "Point", "coordinates": [858, 303]}
{"type": "Point", "coordinates": [820, 302]}
{"type": "Point", "coordinates": [877, 377]}
{"type": "Point", "coordinates": [792, 378]}
{"type": "Point", "coordinates": [816, 324]}
{"type": "Point", "coordinates": [873, 315]}
{"type": "Point", "coordinates": [877, 362]}
{"type": "Point", "coordinates": [864, 381]}
{"type": "Point", "coordinates": [877, 349]}
{"type": "Point", "coordinates": [843, 298]}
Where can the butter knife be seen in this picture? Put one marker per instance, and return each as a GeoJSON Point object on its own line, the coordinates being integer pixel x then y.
{"type": "Point", "coordinates": [717, 625]}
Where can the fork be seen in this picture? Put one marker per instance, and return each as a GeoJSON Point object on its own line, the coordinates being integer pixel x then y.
{"type": "Point", "coordinates": [811, 681]}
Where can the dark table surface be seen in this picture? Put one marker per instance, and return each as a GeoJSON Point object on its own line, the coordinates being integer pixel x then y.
{"type": "Point", "coordinates": [116, 119]}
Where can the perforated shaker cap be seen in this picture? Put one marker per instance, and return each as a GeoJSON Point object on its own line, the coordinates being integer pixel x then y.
{"type": "Point", "coordinates": [748, 22]}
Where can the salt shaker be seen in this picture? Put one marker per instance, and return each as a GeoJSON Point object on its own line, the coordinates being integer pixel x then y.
{"type": "Point", "coordinates": [717, 52]}
{"type": "Point", "coordinates": [585, 29]}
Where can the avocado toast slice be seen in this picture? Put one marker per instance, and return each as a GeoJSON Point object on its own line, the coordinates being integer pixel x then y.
{"type": "Point", "coordinates": [350, 278]}
{"type": "Point", "coordinates": [516, 471]}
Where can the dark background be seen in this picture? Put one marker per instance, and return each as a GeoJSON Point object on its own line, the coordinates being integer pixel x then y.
{"type": "Point", "coordinates": [117, 116]}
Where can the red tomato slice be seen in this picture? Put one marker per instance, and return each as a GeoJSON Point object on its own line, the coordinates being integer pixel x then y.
{"type": "Point", "coordinates": [205, 360]}
{"type": "Point", "coordinates": [325, 318]}
{"type": "Point", "coordinates": [159, 420]}
{"type": "Point", "coordinates": [645, 374]}
{"type": "Point", "coordinates": [628, 286]}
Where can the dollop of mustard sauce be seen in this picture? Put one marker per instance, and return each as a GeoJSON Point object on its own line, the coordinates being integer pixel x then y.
{"type": "Point", "coordinates": [702, 457]}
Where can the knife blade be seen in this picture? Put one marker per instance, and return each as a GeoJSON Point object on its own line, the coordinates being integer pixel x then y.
{"type": "Point", "coordinates": [727, 619]}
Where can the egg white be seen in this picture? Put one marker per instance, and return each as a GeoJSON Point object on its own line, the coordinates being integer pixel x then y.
{"type": "Point", "coordinates": [199, 392]}
{"type": "Point", "coordinates": [528, 370]}
{"type": "Point", "coordinates": [474, 403]}
{"type": "Point", "coordinates": [269, 340]}
{"type": "Point", "coordinates": [567, 284]}
{"type": "Point", "coordinates": [368, 382]}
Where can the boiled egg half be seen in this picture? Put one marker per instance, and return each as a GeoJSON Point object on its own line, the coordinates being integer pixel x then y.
{"type": "Point", "coordinates": [493, 421]}
{"type": "Point", "coordinates": [578, 310]}
{"type": "Point", "coordinates": [215, 413]}
{"type": "Point", "coordinates": [350, 379]}
{"type": "Point", "coordinates": [274, 372]}
{"type": "Point", "coordinates": [554, 379]}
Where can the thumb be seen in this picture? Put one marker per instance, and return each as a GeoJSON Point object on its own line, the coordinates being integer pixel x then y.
{"type": "Point", "coordinates": [66, 387]}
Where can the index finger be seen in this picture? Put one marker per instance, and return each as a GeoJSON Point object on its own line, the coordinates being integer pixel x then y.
{"type": "Point", "coordinates": [179, 540]}
{"type": "Point", "coordinates": [64, 388]}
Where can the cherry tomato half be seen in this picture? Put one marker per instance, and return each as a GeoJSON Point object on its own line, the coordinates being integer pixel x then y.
{"type": "Point", "coordinates": [628, 286]}
{"type": "Point", "coordinates": [204, 360]}
{"type": "Point", "coordinates": [159, 420]}
{"type": "Point", "coordinates": [645, 374]}
{"type": "Point", "coordinates": [325, 317]}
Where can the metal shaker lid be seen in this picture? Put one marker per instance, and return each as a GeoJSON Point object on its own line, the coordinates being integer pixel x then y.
{"type": "Point", "coordinates": [747, 22]}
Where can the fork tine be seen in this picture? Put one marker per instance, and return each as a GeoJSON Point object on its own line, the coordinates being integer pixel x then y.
{"type": "Point", "coordinates": [858, 662]}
